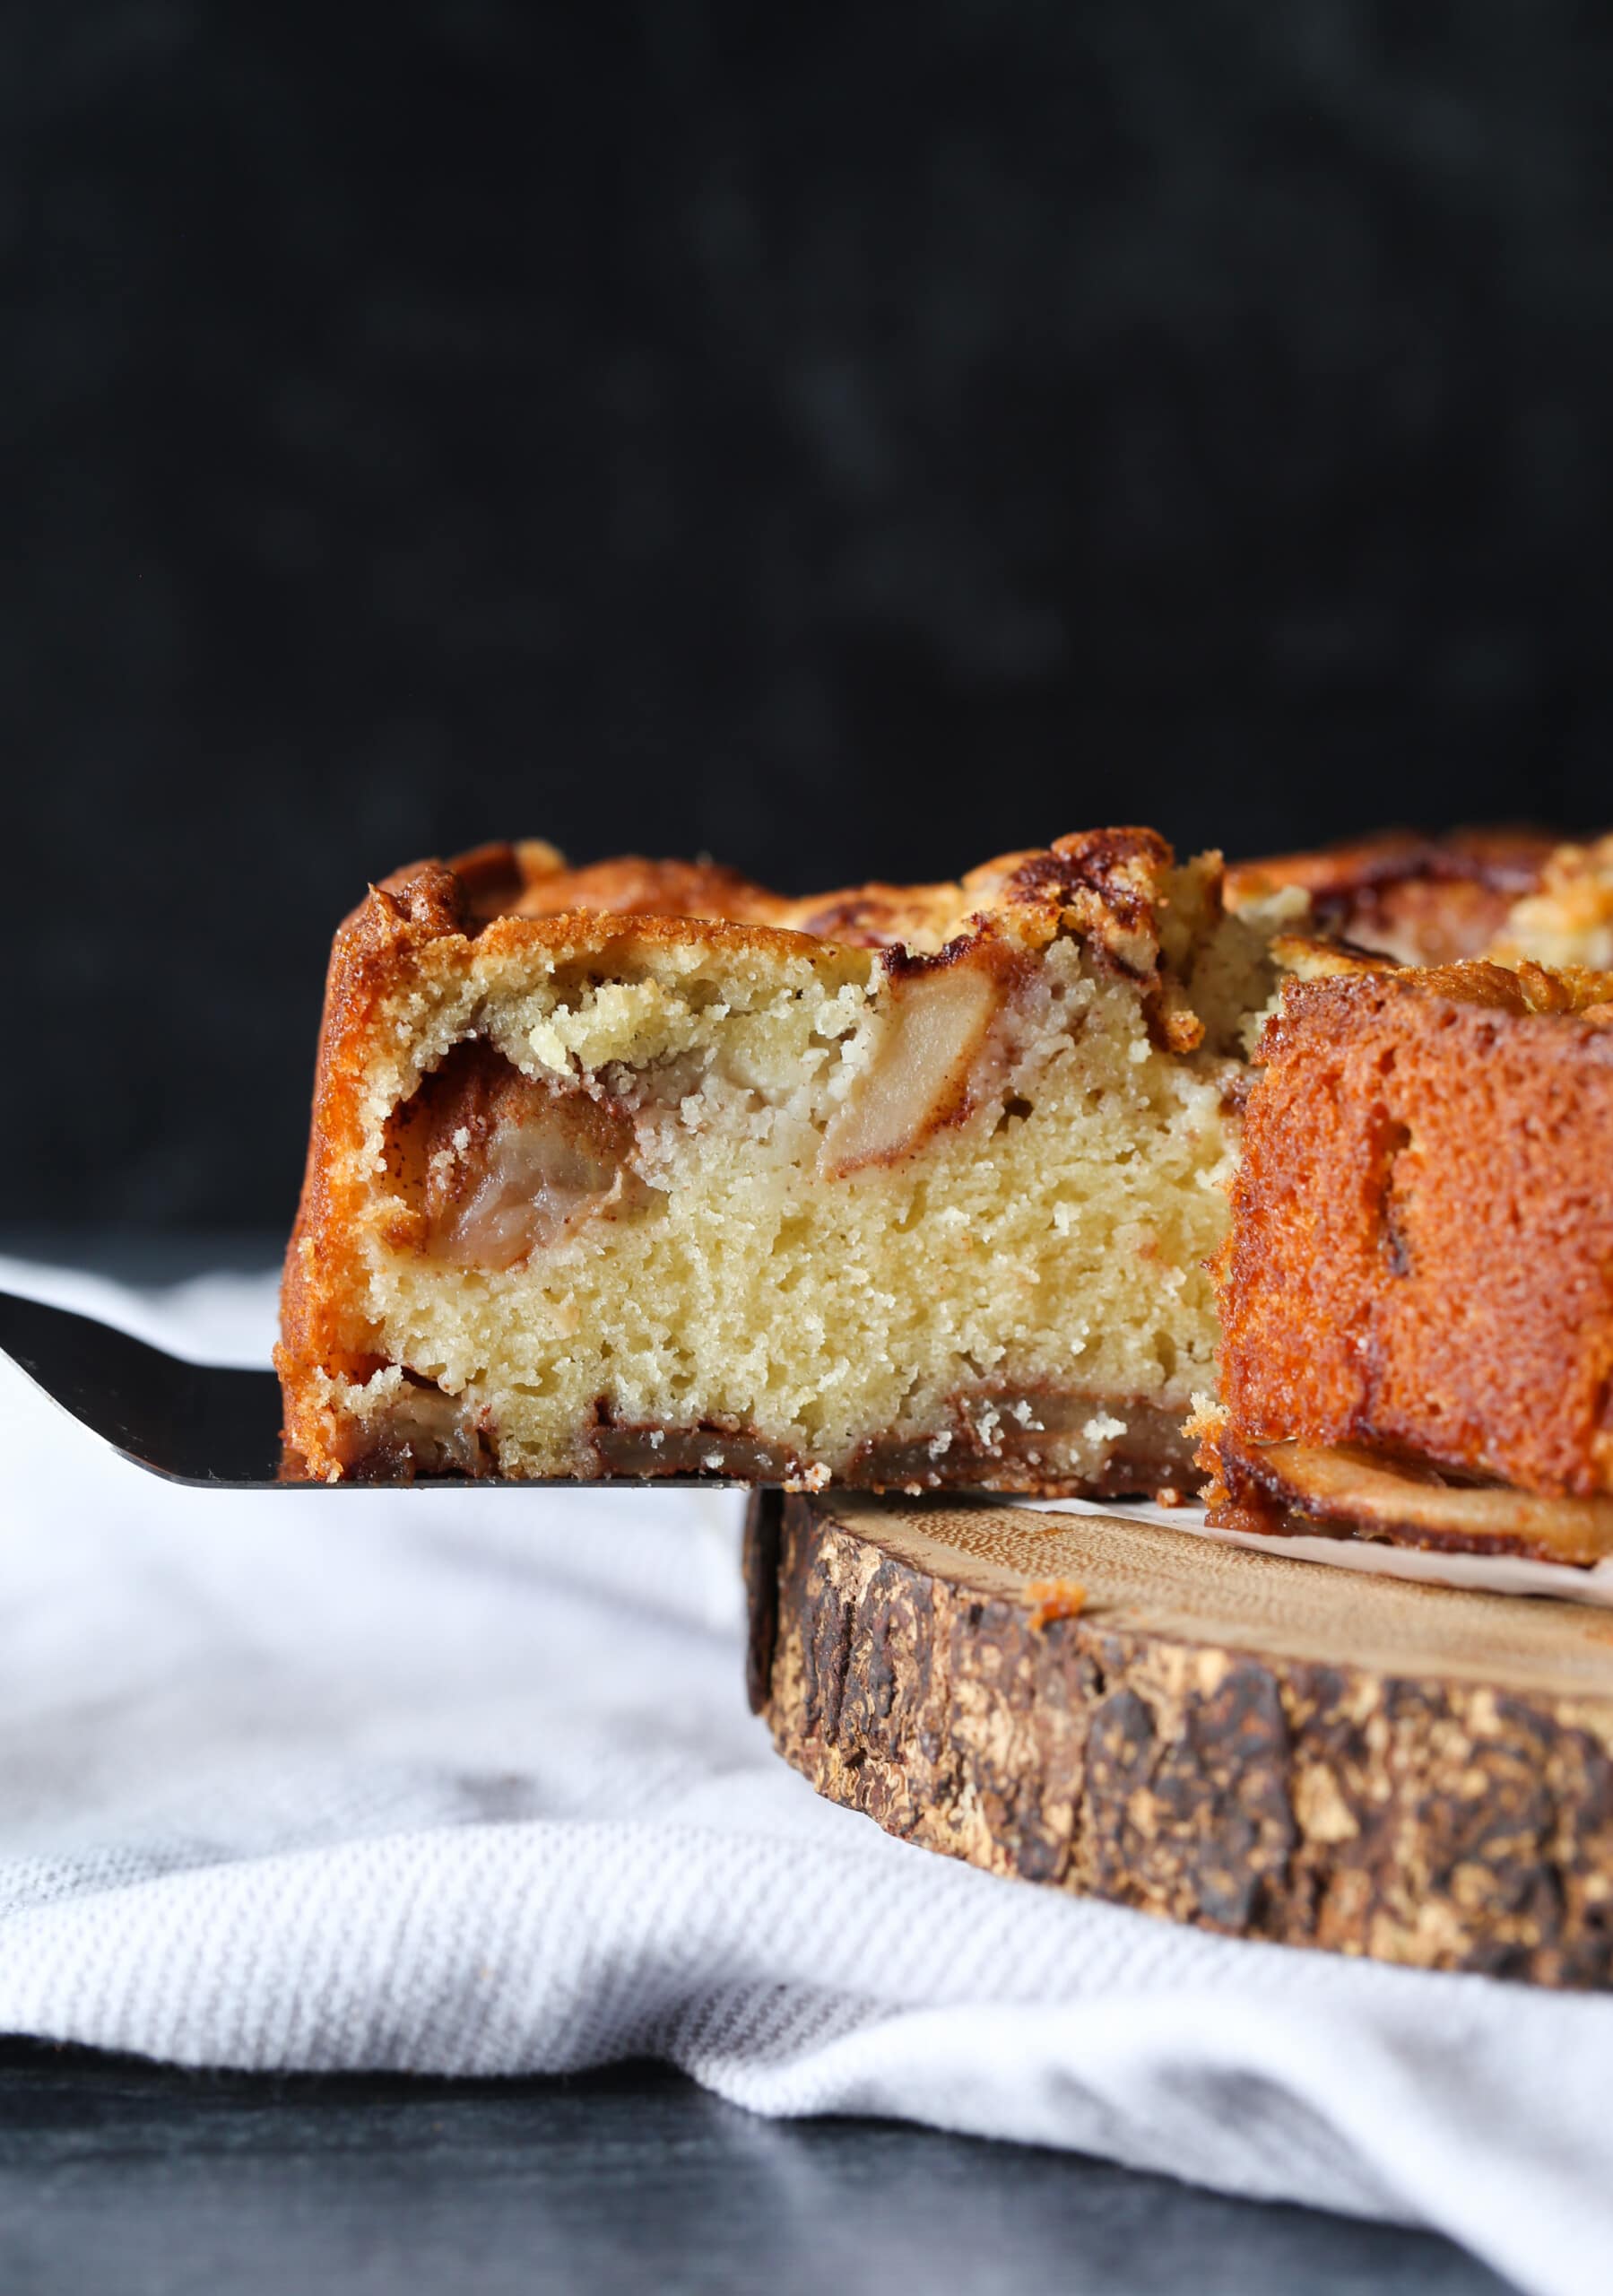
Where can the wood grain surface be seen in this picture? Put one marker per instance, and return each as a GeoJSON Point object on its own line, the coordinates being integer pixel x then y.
{"type": "Point", "coordinates": [1255, 1743]}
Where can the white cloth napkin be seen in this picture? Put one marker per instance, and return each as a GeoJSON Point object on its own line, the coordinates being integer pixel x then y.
{"type": "Point", "coordinates": [464, 1782]}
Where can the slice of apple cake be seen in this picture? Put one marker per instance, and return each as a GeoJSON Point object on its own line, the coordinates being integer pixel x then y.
{"type": "Point", "coordinates": [641, 1169]}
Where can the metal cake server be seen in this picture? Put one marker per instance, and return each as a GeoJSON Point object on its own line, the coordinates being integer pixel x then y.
{"type": "Point", "coordinates": [218, 1428]}
{"type": "Point", "coordinates": [206, 1424]}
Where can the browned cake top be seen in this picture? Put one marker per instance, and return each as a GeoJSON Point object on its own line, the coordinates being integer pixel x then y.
{"type": "Point", "coordinates": [1424, 899]}
{"type": "Point", "coordinates": [1110, 877]}
{"type": "Point", "coordinates": [1422, 1250]}
{"type": "Point", "coordinates": [531, 879]}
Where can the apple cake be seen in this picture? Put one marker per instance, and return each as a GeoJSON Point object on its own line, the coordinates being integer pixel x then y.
{"type": "Point", "coordinates": [642, 1170]}
{"type": "Point", "coordinates": [1416, 1290]}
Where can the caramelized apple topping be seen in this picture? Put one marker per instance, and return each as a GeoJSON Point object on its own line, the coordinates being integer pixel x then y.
{"type": "Point", "coordinates": [1029, 1438]}
{"type": "Point", "coordinates": [731, 1451]}
{"type": "Point", "coordinates": [503, 1165]}
{"type": "Point", "coordinates": [417, 1431]}
{"type": "Point", "coordinates": [1345, 1487]}
{"type": "Point", "coordinates": [940, 1013]}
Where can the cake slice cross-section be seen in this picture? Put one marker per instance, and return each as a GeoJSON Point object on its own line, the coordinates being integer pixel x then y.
{"type": "Point", "coordinates": [642, 1170]}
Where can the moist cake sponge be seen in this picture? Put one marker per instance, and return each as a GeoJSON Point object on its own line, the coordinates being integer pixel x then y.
{"type": "Point", "coordinates": [643, 1169]}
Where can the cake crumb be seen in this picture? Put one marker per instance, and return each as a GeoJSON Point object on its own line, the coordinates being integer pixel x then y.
{"type": "Point", "coordinates": [815, 1478]}
{"type": "Point", "coordinates": [1055, 1599]}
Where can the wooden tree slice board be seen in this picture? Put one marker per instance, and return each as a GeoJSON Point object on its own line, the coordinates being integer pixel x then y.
{"type": "Point", "coordinates": [1261, 1745]}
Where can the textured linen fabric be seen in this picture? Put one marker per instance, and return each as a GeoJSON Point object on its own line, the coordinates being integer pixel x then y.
{"type": "Point", "coordinates": [464, 1782]}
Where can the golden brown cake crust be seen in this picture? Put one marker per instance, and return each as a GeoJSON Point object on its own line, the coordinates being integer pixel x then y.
{"type": "Point", "coordinates": [1422, 1255]}
{"type": "Point", "coordinates": [1105, 884]}
{"type": "Point", "coordinates": [1108, 876]}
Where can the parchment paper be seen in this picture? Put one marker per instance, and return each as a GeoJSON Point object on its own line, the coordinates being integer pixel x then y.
{"type": "Point", "coordinates": [1496, 1574]}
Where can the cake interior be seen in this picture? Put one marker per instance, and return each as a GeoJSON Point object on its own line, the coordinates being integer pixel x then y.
{"type": "Point", "coordinates": [770, 1205]}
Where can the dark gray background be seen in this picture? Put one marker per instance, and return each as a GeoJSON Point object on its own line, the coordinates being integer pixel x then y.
{"type": "Point", "coordinates": [853, 440]}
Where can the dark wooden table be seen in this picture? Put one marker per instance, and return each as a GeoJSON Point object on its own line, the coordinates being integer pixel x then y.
{"type": "Point", "coordinates": [117, 2175]}
{"type": "Point", "coordinates": [123, 2177]}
